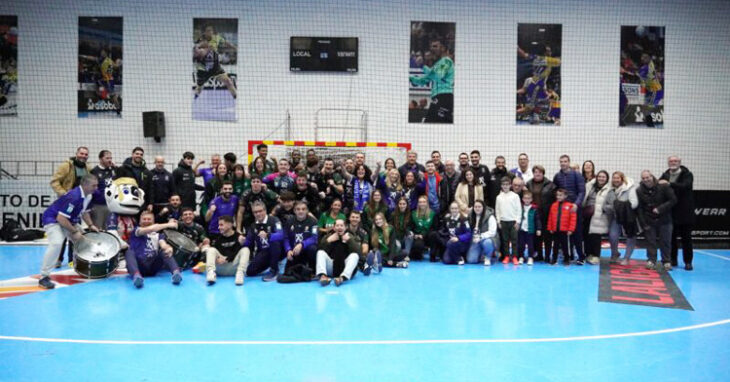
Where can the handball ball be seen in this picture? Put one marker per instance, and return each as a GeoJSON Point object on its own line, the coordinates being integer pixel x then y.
{"type": "Point", "coordinates": [640, 31]}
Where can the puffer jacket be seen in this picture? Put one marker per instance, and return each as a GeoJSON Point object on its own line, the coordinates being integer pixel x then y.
{"type": "Point", "coordinates": [600, 221]}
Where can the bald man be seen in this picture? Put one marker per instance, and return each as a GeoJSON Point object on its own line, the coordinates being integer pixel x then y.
{"type": "Point", "coordinates": [162, 186]}
{"type": "Point", "coordinates": [683, 215]}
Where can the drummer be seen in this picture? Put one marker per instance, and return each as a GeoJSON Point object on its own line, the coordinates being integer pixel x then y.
{"type": "Point", "coordinates": [61, 221]}
{"type": "Point", "coordinates": [148, 251]}
{"type": "Point", "coordinates": [193, 231]}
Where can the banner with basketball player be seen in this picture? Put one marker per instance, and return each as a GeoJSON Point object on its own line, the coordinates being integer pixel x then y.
{"type": "Point", "coordinates": [431, 72]}
{"type": "Point", "coordinates": [8, 66]}
{"type": "Point", "coordinates": [100, 67]}
{"type": "Point", "coordinates": [641, 91]}
{"type": "Point", "coordinates": [215, 55]}
{"type": "Point", "coordinates": [539, 48]}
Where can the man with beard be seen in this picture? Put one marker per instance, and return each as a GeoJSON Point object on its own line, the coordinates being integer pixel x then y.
{"type": "Point", "coordinates": [224, 204]}
{"type": "Point", "coordinates": [329, 183]}
{"type": "Point", "coordinates": [67, 177]}
{"type": "Point", "coordinates": [436, 159]}
{"type": "Point", "coordinates": [183, 178]}
{"type": "Point", "coordinates": [105, 172]}
{"type": "Point", "coordinates": [463, 162]}
{"type": "Point", "coordinates": [498, 172]}
{"type": "Point", "coordinates": [481, 172]}
{"type": "Point", "coordinates": [257, 193]}
{"type": "Point", "coordinates": [134, 167]}
{"type": "Point", "coordinates": [307, 193]}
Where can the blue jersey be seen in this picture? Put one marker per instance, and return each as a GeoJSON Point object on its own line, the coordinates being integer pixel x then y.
{"type": "Point", "coordinates": [222, 208]}
{"type": "Point", "coordinates": [70, 205]}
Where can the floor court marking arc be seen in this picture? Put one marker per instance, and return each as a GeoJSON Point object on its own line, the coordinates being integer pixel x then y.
{"type": "Point", "coordinates": [385, 342]}
{"type": "Point", "coordinates": [378, 342]}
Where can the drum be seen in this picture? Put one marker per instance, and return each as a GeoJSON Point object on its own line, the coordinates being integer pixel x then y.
{"type": "Point", "coordinates": [96, 255]}
{"type": "Point", "coordinates": [184, 250]}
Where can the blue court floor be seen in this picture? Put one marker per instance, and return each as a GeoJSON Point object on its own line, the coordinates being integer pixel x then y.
{"type": "Point", "coordinates": [429, 322]}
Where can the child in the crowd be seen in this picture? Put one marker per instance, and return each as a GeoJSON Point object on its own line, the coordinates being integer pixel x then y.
{"type": "Point", "coordinates": [530, 227]}
{"type": "Point", "coordinates": [172, 211]}
{"type": "Point", "coordinates": [149, 252]}
{"type": "Point", "coordinates": [508, 211]}
{"type": "Point", "coordinates": [561, 223]}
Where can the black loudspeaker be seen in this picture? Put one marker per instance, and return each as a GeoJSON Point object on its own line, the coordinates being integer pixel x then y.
{"type": "Point", "coordinates": [154, 124]}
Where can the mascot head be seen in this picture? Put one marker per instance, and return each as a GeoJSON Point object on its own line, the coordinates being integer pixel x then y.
{"type": "Point", "coordinates": [123, 196]}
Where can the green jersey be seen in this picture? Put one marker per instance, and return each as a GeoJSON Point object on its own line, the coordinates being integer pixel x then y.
{"type": "Point", "coordinates": [440, 75]}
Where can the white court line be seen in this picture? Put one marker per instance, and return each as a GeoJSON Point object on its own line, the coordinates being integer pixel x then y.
{"type": "Point", "coordinates": [377, 342]}
{"type": "Point", "coordinates": [713, 255]}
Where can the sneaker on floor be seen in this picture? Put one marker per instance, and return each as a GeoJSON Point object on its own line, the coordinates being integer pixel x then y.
{"type": "Point", "coordinates": [138, 281]}
{"type": "Point", "coordinates": [487, 261]}
{"type": "Point", "coordinates": [625, 262]}
{"type": "Point", "coordinates": [367, 269]}
{"type": "Point", "coordinates": [505, 260]}
{"type": "Point", "coordinates": [580, 262]}
{"type": "Point", "coordinates": [595, 260]}
{"type": "Point", "coordinates": [401, 264]}
{"type": "Point", "coordinates": [324, 280]}
{"type": "Point", "coordinates": [461, 261]}
{"type": "Point", "coordinates": [176, 278]}
{"type": "Point", "coordinates": [46, 283]}
{"type": "Point", "coordinates": [339, 280]}
{"type": "Point", "coordinates": [407, 259]}
{"type": "Point", "coordinates": [239, 277]}
{"type": "Point", "coordinates": [688, 267]}
{"type": "Point", "coordinates": [650, 264]}
{"type": "Point", "coordinates": [530, 261]}
{"type": "Point", "coordinates": [370, 258]}
{"type": "Point", "coordinates": [667, 267]}
{"type": "Point", "coordinates": [515, 261]}
{"type": "Point", "coordinates": [269, 277]}
{"type": "Point", "coordinates": [521, 260]}
{"type": "Point", "coordinates": [210, 277]}
{"type": "Point", "coordinates": [199, 267]}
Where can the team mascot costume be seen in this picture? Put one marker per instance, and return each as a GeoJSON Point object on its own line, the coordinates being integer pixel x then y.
{"type": "Point", "coordinates": [124, 200]}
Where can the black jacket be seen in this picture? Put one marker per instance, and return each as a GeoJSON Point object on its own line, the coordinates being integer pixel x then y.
{"type": "Point", "coordinates": [141, 174]}
{"type": "Point", "coordinates": [684, 211]}
{"type": "Point", "coordinates": [547, 197]}
{"type": "Point", "coordinates": [495, 184]}
{"type": "Point", "coordinates": [660, 197]}
{"type": "Point", "coordinates": [183, 178]}
{"type": "Point", "coordinates": [162, 186]}
{"type": "Point", "coordinates": [447, 190]}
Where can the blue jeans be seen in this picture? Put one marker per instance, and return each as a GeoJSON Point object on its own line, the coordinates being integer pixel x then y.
{"type": "Point", "coordinates": [476, 250]}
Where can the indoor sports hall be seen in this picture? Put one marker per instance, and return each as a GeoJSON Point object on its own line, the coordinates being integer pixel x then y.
{"type": "Point", "coordinates": [254, 191]}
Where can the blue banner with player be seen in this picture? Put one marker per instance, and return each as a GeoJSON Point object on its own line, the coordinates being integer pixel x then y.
{"type": "Point", "coordinates": [100, 67]}
{"type": "Point", "coordinates": [641, 90]}
{"type": "Point", "coordinates": [215, 56]}
{"type": "Point", "coordinates": [539, 49]}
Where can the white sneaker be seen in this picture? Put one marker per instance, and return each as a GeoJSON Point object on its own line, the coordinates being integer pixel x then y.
{"type": "Point", "coordinates": [239, 277]}
{"type": "Point", "coordinates": [529, 261]}
{"type": "Point", "coordinates": [210, 277]}
{"type": "Point", "coordinates": [461, 261]}
{"type": "Point", "coordinates": [521, 260]}
{"type": "Point", "coordinates": [487, 261]}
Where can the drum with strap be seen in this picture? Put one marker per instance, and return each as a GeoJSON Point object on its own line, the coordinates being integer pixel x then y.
{"type": "Point", "coordinates": [96, 255]}
{"type": "Point", "coordinates": [183, 249]}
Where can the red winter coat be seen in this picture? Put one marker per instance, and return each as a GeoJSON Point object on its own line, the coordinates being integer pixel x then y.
{"type": "Point", "coordinates": [562, 212]}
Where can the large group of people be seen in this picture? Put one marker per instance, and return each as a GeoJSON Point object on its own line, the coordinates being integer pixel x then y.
{"type": "Point", "coordinates": [306, 217]}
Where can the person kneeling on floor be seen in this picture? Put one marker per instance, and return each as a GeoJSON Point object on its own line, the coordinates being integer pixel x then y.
{"type": "Point", "coordinates": [228, 254]}
{"type": "Point", "coordinates": [337, 255]}
{"type": "Point", "coordinates": [148, 251]}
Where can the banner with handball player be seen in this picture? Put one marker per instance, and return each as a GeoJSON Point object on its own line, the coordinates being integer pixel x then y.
{"type": "Point", "coordinates": [431, 72]}
{"type": "Point", "coordinates": [641, 90]}
{"type": "Point", "coordinates": [539, 48]}
{"type": "Point", "coordinates": [100, 67]}
{"type": "Point", "coordinates": [215, 55]}
{"type": "Point", "coordinates": [8, 66]}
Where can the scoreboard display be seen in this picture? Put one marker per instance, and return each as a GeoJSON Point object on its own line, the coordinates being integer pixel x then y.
{"type": "Point", "coordinates": [323, 54]}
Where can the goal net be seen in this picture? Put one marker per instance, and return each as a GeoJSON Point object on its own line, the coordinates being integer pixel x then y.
{"type": "Point", "coordinates": [339, 151]}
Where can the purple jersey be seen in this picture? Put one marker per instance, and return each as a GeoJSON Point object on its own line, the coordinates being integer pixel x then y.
{"type": "Point", "coordinates": [207, 174]}
{"type": "Point", "coordinates": [70, 205]}
{"type": "Point", "coordinates": [145, 246]}
{"type": "Point", "coordinates": [222, 208]}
